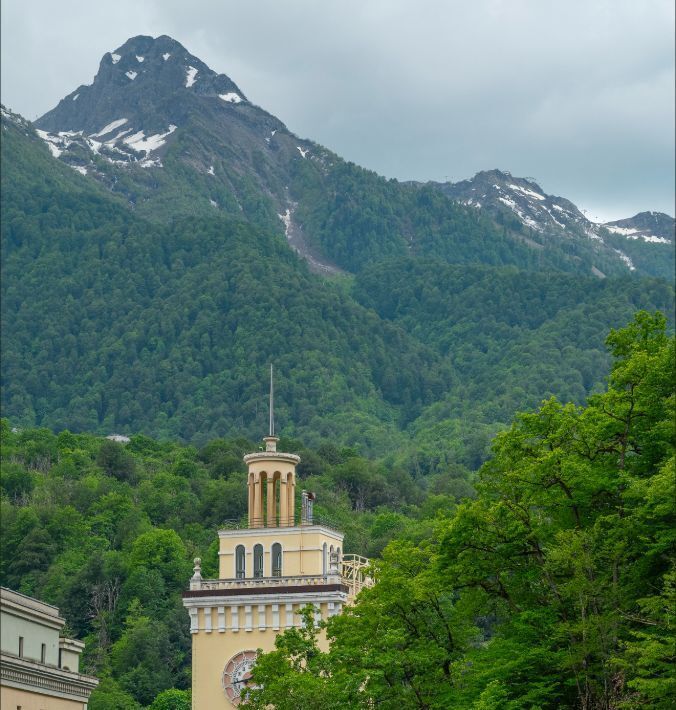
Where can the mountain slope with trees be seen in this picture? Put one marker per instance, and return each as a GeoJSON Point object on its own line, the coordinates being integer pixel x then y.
{"type": "Point", "coordinates": [116, 323]}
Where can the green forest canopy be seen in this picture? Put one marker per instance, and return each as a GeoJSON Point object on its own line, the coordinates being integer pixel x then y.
{"type": "Point", "coordinates": [545, 583]}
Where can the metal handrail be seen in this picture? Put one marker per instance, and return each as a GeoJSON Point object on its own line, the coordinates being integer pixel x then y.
{"type": "Point", "coordinates": [354, 573]}
{"type": "Point", "coordinates": [246, 523]}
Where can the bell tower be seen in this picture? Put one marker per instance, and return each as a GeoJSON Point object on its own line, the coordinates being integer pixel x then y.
{"type": "Point", "coordinates": [271, 564]}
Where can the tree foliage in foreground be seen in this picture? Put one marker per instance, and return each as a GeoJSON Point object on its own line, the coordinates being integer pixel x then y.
{"type": "Point", "coordinates": [554, 588]}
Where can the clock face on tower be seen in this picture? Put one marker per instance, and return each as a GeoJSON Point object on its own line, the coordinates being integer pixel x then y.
{"type": "Point", "coordinates": [236, 675]}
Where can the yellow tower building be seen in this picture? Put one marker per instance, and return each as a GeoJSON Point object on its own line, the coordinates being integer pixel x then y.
{"type": "Point", "coordinates": [270, 566]}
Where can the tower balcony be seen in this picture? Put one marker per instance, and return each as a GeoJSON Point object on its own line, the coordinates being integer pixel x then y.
{"type": "Point", "coordinates": [258, 584]}
{"type": "Point", "coordinates": [277, 521]}
{"type": "Point", "coordinates": [349, 575]}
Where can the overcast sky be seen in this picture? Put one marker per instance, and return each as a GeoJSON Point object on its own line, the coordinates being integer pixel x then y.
{"type": "Point", "coordinates": [578, 94]}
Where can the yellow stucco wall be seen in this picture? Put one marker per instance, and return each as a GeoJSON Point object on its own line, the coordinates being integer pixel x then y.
{"type": "Point", "coordinates": [235, 615]}
{"type": "Point", "coordinates": [302, 549]}
{"type": "Point", "coordinates": [13, 698]}
{"type": "Point", "coordinates": [212, 651]}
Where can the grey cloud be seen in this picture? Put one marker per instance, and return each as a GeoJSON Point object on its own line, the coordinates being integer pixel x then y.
{"type": "Point", "coordinates": [578, 94]}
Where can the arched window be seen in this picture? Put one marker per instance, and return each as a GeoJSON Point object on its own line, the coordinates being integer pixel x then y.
{"type": "Point", "coordinates": [258, 560]}
{"type": "Point", "coordinates": [240, 562]}
{"type": "Point", "coordinates": [324, 560]}
{"type": "Point", "coordinates": [276, 560]}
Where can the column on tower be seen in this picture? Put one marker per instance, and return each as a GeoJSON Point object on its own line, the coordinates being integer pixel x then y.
{"type": "Point", "coordinates": [272, 500]}
{"type": "Point", "coordinates": [284, 501]}
{"type": "Point", "coordinates": [291, 496]}
{"type": "Point", "coordinates": [252, 499]}
{"type": "Point", "coordinates": [258, 496]}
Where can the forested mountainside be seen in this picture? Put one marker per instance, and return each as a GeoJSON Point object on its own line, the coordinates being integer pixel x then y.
{"type": "Point", "coordinates": [113, 322]}
{"type": "Point", "coordinates": [546, 581]}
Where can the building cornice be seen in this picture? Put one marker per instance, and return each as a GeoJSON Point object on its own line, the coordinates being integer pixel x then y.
{"type": "Point", "coordinates": [24, 607]}
{"type": "Point", "coordinates": [271, 456]}
{"type": "Point", "coordinates": [266, 532]}
{"type": "Point", "coordinates": [277, 590]}
{"type": "Point", "coordinates": [24, 674]}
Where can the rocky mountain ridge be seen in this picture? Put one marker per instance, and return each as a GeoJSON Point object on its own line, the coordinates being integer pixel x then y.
{"type": "Point", "coordinates": [160, 128]}
{"type": "Point", "coordinates": [520, 203]}
{"type": "Point", "coordinates": [650, 227]}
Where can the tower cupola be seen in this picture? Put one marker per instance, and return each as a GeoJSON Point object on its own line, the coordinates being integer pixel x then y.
{"type": "Point", "coordinates": [271, 480]}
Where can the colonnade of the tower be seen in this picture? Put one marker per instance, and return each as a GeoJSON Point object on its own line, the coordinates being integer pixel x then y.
{"type": "Point", "coordinates": [271, 499]}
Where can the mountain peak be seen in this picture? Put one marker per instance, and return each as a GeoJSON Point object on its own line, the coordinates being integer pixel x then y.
{"type": "Point", "coordinates": [153, 82]}
{"type": "Point", "coordinates": [652, 227]}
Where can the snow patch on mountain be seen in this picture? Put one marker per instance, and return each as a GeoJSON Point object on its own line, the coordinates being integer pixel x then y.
{"type": "Point", "coordinates": [51, 142]}
{"type": "Point", "coordinates": [115, 57]}
{"type": "Point", "coordinates": [286, 218]}
{"type": "Point", "coordinates": [131, 74]}
{"type": "Point", "coordinates": [526, 191]}
{"type": "Point", "coordinates": [140, 59]}
{"type": "Point", "coordinates": [231, 97]}
{"type": "Point", "coordinates": [190, 74]}
{"type": "Point", "coordinates": [632, 233]}
{"type": "Point", "coordinates": [166, 56]}
{"type": "Point", "coordinates": [625, 259]}
{"type": "Point", "coordinates": [301, 151]}
{"type": "Point", "coordinates": [75, 98]}
{"type": "Point", "coordinates": [139, 142]}
{"type": "Point", "coordinates": [109, 128]}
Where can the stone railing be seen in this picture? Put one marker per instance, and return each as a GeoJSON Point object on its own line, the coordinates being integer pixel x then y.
{"type": "Point", "coordinates": [265, 582]}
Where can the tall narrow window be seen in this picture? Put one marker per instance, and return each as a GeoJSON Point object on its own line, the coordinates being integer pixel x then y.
{"type": "Point", "coordinates": [240, 562]}
{"type": "Point", "coordinates": [258, 560]}
{"type": "Point", "coordinates": [324, 559]}
{"type": "Point", "coordinates": [43, 653]}
{"type": "Point", "coordinates": [276, 560]}
{"type": "Point", "coordinates": [21, 646]}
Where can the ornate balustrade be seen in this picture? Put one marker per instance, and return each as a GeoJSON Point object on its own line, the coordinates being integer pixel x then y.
{"type": "Point", "coordinates": [266, 582]}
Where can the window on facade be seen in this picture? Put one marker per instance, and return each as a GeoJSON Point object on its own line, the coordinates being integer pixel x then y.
{"type": "Point", "coordinates": [21, 646]}
{"type": "Point", "coordinates": [276, 560]}
{"type": "Point", "coordinates": [324, 566]}
{"type": "Point", "coordinates": [258, 560]}
{"type": "Point", "coordinates": [43, 653]}
{"type": "Point", "coordinates": [240, 562]}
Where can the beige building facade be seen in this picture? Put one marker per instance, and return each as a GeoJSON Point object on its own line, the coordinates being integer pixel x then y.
{"type": "Point", "coordinates": [39, 668]}
{"type": "Point", "coordinates": [271, 565]}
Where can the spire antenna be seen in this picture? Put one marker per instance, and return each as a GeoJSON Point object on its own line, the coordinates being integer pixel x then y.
{"type": "Point", "coordinates": [272, 405]}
